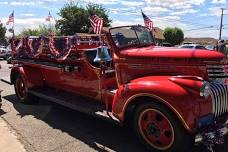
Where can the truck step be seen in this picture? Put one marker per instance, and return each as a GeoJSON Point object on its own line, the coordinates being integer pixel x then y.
{"type": "Point", "coordinates": [75, 102]}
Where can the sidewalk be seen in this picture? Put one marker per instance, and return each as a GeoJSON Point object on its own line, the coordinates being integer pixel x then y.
{"type": "Point", "coordinates": [8, 141]}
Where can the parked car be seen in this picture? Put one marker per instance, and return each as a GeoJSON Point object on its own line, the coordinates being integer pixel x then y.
{"type": "Point", "coordinates": [210, 47]}
{"type": "Point", "coordinates": [166, 45]}
{"type": "Point", "coordinates": [3, 52]}
{"type": "Point", "coordinates": [193, 46]}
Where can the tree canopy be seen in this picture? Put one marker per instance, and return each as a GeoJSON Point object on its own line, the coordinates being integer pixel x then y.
{"type": "Point", "coordinates": [42, 30]}
{"type": "Point", "coordinates": [174, 36]}
{"type": "Point", "coordinates": [2, 35]}
{"type": "Point", "coordinates": [75, 19]}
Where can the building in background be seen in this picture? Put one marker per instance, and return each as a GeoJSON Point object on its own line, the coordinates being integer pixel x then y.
{"type": "Point", "coordinates": [202, 41]}
{"type": "Point", "coordinates": [158, 35]}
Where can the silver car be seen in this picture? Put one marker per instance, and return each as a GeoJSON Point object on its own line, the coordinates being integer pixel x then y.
{"type": "Point", "coordinates": [193, 46]}
{"type": "Point", "coordinates": [5, 52]}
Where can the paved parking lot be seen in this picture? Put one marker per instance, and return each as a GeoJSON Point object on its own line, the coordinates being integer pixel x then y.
{"type": "Point", "coordinates": [47, 127]}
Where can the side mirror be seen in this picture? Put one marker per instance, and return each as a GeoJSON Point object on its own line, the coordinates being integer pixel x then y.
{"type": "Point", "coordinates": [102, 55]}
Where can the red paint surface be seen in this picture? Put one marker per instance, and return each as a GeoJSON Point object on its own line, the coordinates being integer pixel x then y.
{"type": "Point", "coordinates": [148, 71]}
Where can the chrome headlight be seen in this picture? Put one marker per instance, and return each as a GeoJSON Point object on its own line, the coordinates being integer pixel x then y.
{"type": "Point", "coordinates": [205, 90]}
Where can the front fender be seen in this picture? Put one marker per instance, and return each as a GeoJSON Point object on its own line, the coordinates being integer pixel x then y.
{"type": "Point", "coordinates": [182, 97]}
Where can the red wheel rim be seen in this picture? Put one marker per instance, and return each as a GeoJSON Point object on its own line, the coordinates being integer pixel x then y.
{"type": "Point", "coordinates": [156, 129]}
{"type": "Point", "coordinates": [20, 87]}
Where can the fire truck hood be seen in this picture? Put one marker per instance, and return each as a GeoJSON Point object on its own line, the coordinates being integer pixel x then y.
{"type": "Point", "coordinates": [165, 52]}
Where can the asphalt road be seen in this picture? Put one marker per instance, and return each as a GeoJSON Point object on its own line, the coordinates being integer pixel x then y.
{"type": "Point", "coordinates": [47, 127]}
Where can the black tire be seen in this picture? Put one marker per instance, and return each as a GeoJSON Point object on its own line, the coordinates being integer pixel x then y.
{"type": "Point", "coordinates": [180, 139]}
{"type": "Point", "coordinates": [23, 94]}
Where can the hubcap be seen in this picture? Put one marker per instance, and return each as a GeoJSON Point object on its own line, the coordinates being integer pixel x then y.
{"type": "Point", "coordinates": [156, 129]}
{"type": "Point", "coordinates": [20, 87]}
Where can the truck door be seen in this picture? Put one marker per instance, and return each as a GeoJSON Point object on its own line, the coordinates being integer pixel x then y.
{"type": "Point", "coordinates": [82, 78]}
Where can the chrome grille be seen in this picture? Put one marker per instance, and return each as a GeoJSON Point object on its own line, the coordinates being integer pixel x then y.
{"type": "Point", "coordinates": [219, 94]}
{"type": "Point", "coordinates": [217, 73]}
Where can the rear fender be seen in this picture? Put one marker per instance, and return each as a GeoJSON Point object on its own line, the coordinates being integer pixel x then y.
{"type": "Point", "coordinates": [32, 77]}
{"type": "Point", "coordinates": [183, 102]}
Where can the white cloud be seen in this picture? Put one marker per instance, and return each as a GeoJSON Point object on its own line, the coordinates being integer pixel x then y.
{"type": "Point", "coordinates": [17, 3]}
{"type": "Point", "coordinates": [107, 2]}
{"type": "Point", "coordinates": [132, 3]}
{"type": "Point", "coordinates": [218, 1]}
{"type": "Point", "coordinates": [155, 10]}
{"type": "Point", "coordinates": [4, 3]}
{"type": "Point", "coordinates": [175, 4]}
{"type": "Point", "coordinates": [216, 11]}
{"type": "Point", "coordinates": [24, 23]}
{"type": "Point", "coordinates": [27, 14]}
{"type": "Point", "coordinates": [186, 11]}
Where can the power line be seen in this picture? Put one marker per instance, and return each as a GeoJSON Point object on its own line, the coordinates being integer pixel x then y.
{"type": "Point", "coordinates": [200, 28]}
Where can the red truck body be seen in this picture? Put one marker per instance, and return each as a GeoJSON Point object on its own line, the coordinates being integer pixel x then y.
{"type": "Point", "coordinates": [164, 93]}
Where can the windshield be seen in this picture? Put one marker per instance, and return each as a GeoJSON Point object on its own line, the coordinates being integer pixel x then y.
{"type": "Point", "coordinates": [131, 36]}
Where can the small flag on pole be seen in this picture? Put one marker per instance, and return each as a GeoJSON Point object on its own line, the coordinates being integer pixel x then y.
{"type": "Point", "coordinates": [11, 19]}
{"type": "Point", "coordinates": [96, 23]}
{"type": "Point", "coordinates": [148, 22]}
{"type": "Point", "coordinates": [49, 17]}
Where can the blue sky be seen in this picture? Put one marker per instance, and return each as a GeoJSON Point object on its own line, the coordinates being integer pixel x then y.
{"type": "Point", "coordinates": [190, 15]}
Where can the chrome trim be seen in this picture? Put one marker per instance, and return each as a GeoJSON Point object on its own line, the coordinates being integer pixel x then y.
{"type": "Point", "coordinates": [219, 96]}
{"type": "Point", "coordinates": [217, 72]}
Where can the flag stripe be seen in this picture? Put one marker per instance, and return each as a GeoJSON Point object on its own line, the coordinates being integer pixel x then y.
{"type": "Point", "coordinates": [11, 19]}
{"type": "Point", "coordinates": [96, 23]}
{"type": "Point", "coordinates": [148, 23]}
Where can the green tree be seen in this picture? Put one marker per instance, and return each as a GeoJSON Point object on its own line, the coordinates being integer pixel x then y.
{"type": "Point", "coordinates": [174, 36]}
{"type": "Point", "coordinates": [2, 35]}
{"type": "Point", "coordinates": [41, 30]}
{"type": "Point", "coordinates": [75, 19]}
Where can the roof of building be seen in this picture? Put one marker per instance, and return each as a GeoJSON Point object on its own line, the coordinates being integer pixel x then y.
{"type": "Point", "coordinates": [158, 33]}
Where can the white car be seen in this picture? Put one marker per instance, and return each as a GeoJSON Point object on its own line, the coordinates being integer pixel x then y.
{"type": "Point", "coordinates": [193, 46]}
{"type": "Point", "coordinates": [5, 52]}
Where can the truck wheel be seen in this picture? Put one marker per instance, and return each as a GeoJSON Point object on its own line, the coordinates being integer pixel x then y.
{"type": "Point", "coordinates": [21, 91]}
{"type": "Point", "coordinates": [160, 130]}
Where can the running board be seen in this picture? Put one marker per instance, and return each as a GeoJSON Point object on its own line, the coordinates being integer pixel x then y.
{"type": "Point", "coordinates": [75, 102]}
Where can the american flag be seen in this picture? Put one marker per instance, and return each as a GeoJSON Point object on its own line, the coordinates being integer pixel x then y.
{"type": "Point", "coordinates": [11, 18]}
{"type": "Point", "coordinates": [49, 17]}
{"type": "Point", "coordinates": [96, 23]}
{"type": "Point", "coordinates": [148, 22]}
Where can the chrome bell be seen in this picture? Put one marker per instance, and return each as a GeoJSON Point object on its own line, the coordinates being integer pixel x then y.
{"type": "Point", "coordinates": [102, 55]}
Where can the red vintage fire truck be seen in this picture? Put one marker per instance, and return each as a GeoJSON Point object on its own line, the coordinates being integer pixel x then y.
{"type": "Point", "coordinates": [171, 97]}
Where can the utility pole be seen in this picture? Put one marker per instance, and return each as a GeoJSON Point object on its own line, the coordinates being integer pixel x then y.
{"type": "Point", "coordinates": [221, 25]}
